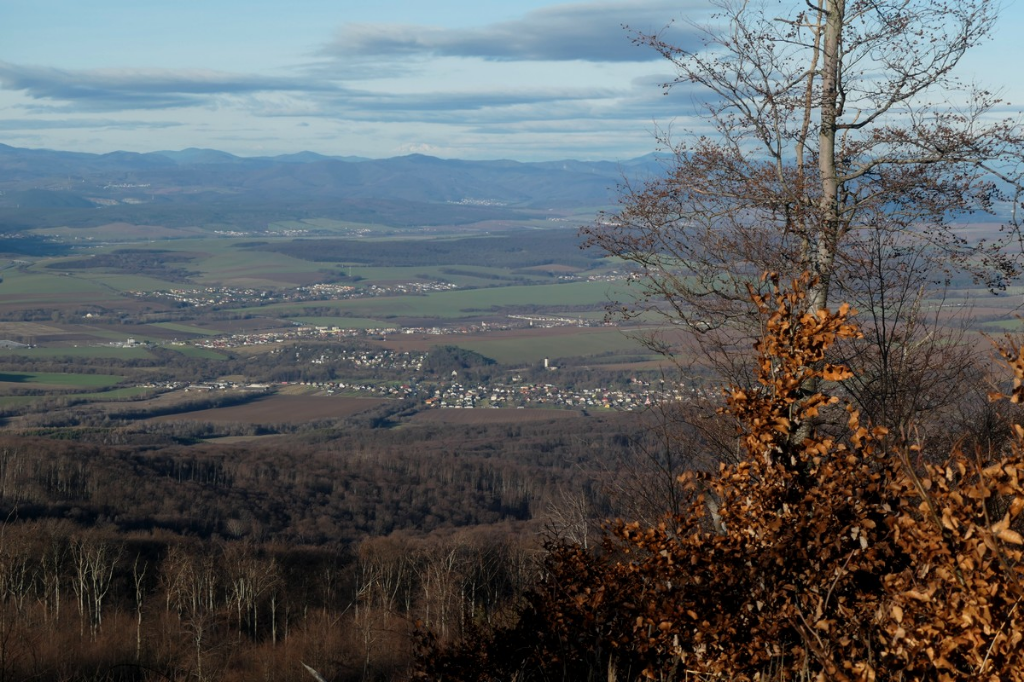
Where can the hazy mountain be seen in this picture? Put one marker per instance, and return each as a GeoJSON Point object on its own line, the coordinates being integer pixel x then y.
{"type": "Point", "coordinates": [41, 186]}
{"type": "Point", "coordinates": [415, 177]}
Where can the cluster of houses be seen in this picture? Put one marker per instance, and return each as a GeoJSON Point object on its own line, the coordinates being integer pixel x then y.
{"type": "Point", "coordinates": [639, 395]}
{"type": "Point", "coordinates": [207, 297]}
{"type": "Point", "coordinates": [280, 336]}
{"type": "Point", "coordinates": [513, 393]}
{"type": "Point", "coordinates": [370, 359]}
{"type": "Point", "coordinates": [458, 396]}
{"type": "Point", "coordinates": [328, 333]}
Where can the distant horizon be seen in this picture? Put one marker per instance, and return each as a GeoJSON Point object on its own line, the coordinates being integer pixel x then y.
{"type": "Point", "coordinates": [532, 81]}
{"type": "Point", "coordinates": [327, 156]}
{"type": "Point", "coordinates": [537, 80]}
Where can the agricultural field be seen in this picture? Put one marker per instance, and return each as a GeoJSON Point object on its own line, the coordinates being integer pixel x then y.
{"type": "Point", "coordinates": [469, 417]}
{"type": "Point", "coordinates": [330, 317]}
{"type": "Point", "coordinates": [279, 408]}
{"type": "Point", "coordinates": [323, 312]}
{"type": "Point", "coordinates": [47, 380]}
{"type": "Point", "coordinates": [68, 355]}
{"type": "Point", "coordinates": [531, 345]}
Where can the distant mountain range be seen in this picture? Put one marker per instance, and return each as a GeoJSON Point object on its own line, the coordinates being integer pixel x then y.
{"type": "Point", "coordinates": [32, 180]}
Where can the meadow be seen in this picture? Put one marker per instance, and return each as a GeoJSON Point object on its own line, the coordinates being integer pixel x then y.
{"type": "Point", "coordinates": [533, 345]}
{"type": "Point", "coordinates": [61, 380]}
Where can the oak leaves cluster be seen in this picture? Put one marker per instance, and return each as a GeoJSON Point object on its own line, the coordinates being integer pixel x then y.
{"type": "Point", "coordinates": [829, 551]}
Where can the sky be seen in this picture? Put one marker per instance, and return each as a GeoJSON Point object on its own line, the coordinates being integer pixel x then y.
{"type": "Point", "coordinates": [487, 79]}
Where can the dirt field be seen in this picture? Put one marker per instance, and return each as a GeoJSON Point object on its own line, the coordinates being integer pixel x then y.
{"type": "Point", "coordinates": [124, 231]}
{"type": "Point", "coordinates": [15, 329]}
{"type": "Point", "coordinates": [424, 342]}
{"type": "Point", "coordinates": [248, 324]}
{"type": "Point", "coordinates": [491, 416]}
{"type": "Point", "coordinates": [279, 409]}
{"type": "Point", "coordinates": [553, 267]}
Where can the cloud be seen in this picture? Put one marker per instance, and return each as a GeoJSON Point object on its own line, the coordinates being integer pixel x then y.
{"type": "Point", "coordinates": [15, 124]}
{"type": "Point", "coordinates": [586, 31]}
{"type": "Point", "coordinates": [381, 103]}
{"type": "Point", "coordinates": [639, 100]}
{"type": "Point", "coordinates": [82, 91]}
{"type": "Point", "coordinates": [113, 89]}
{"type": "Point", "coordinates": [561, 77]}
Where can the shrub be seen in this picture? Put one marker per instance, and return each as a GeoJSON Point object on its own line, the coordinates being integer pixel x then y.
{"type": "Point", "coordinates": [817, 556]}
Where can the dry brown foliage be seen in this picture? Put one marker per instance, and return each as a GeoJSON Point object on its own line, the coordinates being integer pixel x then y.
{"type": "Point", "coordinates": [826, 558]}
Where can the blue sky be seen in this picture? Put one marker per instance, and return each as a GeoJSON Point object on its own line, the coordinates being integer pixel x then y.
{"type": "Point", "coordinates": [527, 80]}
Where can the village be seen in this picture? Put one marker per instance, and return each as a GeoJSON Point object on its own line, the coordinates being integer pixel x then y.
{"type": "Point", "coordinates": [220, 297]}
{"type": "Point", "coordinates": [512, 391]}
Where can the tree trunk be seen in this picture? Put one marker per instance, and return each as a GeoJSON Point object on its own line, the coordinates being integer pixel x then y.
{"type": "Point", "coordinates": [824, 253]}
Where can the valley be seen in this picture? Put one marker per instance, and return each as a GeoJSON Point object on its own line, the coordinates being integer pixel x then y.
{"type": "Point", "coordinates": [384, 406]}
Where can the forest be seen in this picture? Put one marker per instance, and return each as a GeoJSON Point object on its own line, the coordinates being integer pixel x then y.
{"type": "Point", "coordinates": [147, 559]}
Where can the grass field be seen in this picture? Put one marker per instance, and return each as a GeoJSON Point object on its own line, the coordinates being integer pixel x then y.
{"type": "Point", "coordinates": [1011, 326]}
{"type": "Point", "coordinates": [72, 353]}
{"type": "Point", "coordinates": [118, 393]}
{"type": "Point", "coordinates": [463, 304]}
{"type": "Point", "coordinates": [247, 267]}
{"type": "Point", "coordinates": [339, 322]}
{"type": "Point", "coordinates": [531, 346]}
{"type": "Point", "coordinates": [188, 328]}
{"type": "Point", "coordinates": [120, 283]}
{"type": "Point", "coordinates": [21, 286]}
{"type": "Point", "coordinates": [119, 232]}
{"type": "Point", "coordinates": [194, 352]}
{"type": "Point", "coordinates": [340, 228]}
{"type": "Point", "coordinates": [29, 379]}
{"type": "Point", "coordinates": [463, 276]}
{"type": "Point", "coordinates": [17, 400]}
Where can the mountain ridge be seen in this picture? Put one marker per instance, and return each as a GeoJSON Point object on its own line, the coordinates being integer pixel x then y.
{"type": "Point", "coordinates": [413, 177]}
{"type": "Point", "coordinates": [49, 188]}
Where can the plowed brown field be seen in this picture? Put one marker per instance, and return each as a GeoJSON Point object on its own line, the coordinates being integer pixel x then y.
{"type": "Point", "coordinates": [280, 409]}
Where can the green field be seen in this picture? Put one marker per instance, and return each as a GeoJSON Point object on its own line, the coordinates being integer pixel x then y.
{"type": "Point", "coordinates": [188, 328]}
{"type": "Point", "coordinates": [118, 393]}
{"type": "Point", "coordinates": [463, 304]}
{"type": "Point", "coordinates": [17, 400]}
{"type": "Point", "coordinates": [195, 352]}
{"type": "Point", "coordinates": [239, 266]}
{"type": "Point", "coordinates": [339, 322]}
{"type": "Point", "coordinates": [136, 352]}
{"type": "Point", "coordinates": [29, 287]}
{"type": "Point", "coordinates": [529, 350]}
{"type": "Point", "coordinates": [463, 276]}
{"type": "Point", "coordinates": [1013, 325]}
{"type": "Point", "coordinates": [120, 283]}
{"type": "Point", "coordinates": [61, 379]}
{"type": "Point", "coordinates": [340, 228]}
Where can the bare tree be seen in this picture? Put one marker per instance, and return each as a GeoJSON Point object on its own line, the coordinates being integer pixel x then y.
{"type": "Point", "coordinates": [139, 568]}
{"type": "Point", "coordinates": [839, 142]}
{"type": "Point", "coordinates": [571, 517]}
{"type": "Point", "coordinates": [834, 121]}
{"type": "Point", "coordinates": [251, 578]}
{"type": "Point", "coordinates": [52, 566]}
{"type": "Point", "coordinates": [384, 583]}
{"type": "Point", "coordinates": [93, 563]}
{"type": "Point", "coordinates": [192, 583]}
